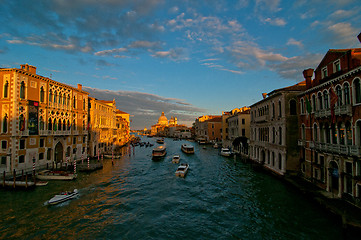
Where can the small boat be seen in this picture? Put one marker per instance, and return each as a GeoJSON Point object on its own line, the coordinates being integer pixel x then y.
{"type": "Point", "coordinates": [182, 170]}
{"type": "Point", "coordinates": [62, 197]}
{"type": "Point", "coordinates": [175, 159]}
{"type": "Point", "coordinates": [186, 148]}
{"type": "Point", "coordinates": [55, 175]}
{"type": "Point", "coordinates": [41, 183]}
{"type": "Point", "coordinates": [215, 145]}
{"type": "Point", "coordinates": [226, 152]}
{"type": "Point", "coordinates": [159, 152]}
{"type": "Point", "coordinates": [160, 140]}
{"type": "Point", "coordinates": [202, 142]}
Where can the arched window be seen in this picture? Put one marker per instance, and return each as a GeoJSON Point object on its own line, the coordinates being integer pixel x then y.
{"type": "Point", "coordinates": [327, 133]}
{"type": "Point", "coordinates": [334, 134]}
{"type": "Point", "coordinates": [325, 99]}
{"type": "Point", "coordinates": [314, 102]}
{"type": "Point", "coordinates": [319, 98]}
{"type": "Point", "coordinates": [60, 98]}
{"type": "Point", "coordinates": [59, 124]}
{"type": "Point", "coordinates": [358, 133]}
{"type": "Point", "coordinates": [293, 107]}
{"type": "Point", "coordinates": [41, 123]}
{"type": "Point", "coordinates": [21, 122]}
{"type": "Point", "coordinates": [348, 133]}
{"type": "Point", "coordinates": [22, 90]}
{"type": "Point", "coordinates": [6, 90]}
{"type": "Point", "coordinates": [83, 104]}
{"type": "Point", "coordinates": [50, 124]}
{"type": "Point", "coordinates": [302, 105]}
{"type": "Point", "coordinates": [279, 109]}
{"type": "Point", "coordinates": [273, 135]}
{"type": "Point", "coordinates": [74, 102]}
{"type": "Point", "coordinates": [64, 99]}
{"type": "Point", "coordinates": [273, 110]}
{"type": "Point", "coordinates": [64, 125]}
{"type": "Point", "coordinates": [42, 93]}
{"type": "Point", "coordinates": [315, 135]}
{"type": "Point", "coordinates": [341, 135]}
{"type": "Point", "coordinates": [280, 136]}
{"type": "Point", "coordinates": [279, 161]}
{"type": "Point", "coordinates": [68, 125]}
{"type": "Point", "coordinates": [68, 100]}
{"type": "Point", "coordinates": [55, 97]}
{"type": "Point", "coordinates": [55, 125]}
{"type": "Point", "coordinates": [303, 132]}
{"type": "Point", "coordinates": [74, 126]}
{"type": "Point", "coordinates": [339, 95]}
{"type": "Point", "coordinates": [50, 96]}
{"type": "Point", "coordinates": [5, 124]}
{"type": "Point", "coordinates": [357, 90]}
{"type": "Point", "coordinates": [346, 93]}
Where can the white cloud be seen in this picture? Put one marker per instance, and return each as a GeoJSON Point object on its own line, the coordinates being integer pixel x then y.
{"type": "Point", "coordinates": [275, 21]}
{"type": "Point", "coordinates": [294, 42]}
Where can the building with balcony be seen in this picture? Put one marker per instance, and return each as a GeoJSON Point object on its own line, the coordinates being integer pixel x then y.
{"type": "Point", "coordinates": [330, 123]}
{"type": "Point", "coordinates": [274, 130]}
{"type": "Point", "coordinates": [42, 121]}
{"type": "Point", "coordinates": [238, 130]}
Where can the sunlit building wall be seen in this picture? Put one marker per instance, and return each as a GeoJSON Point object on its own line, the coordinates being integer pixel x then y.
{"type": "Point", "coordinates": [42, 121]}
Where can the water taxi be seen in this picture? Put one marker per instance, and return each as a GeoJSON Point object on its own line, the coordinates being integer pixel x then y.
{"type": "Point", "coordinates": [226, 152]}
{"type": "Point", "coordinates": [160, 140]}
{"type": "Point", "coordinates": [159, 152]}
{"type": "Point", "coordinates": [175, 159]}
{"type": "Point", "coordinates": [62, 197]}
{"type": "Point", "coordinates": [186, 148]}
{"type": "Point", "coordinates": [182, 170]}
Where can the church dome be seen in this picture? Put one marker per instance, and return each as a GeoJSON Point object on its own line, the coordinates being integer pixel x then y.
{"type": "Point", "coordinates": [163, 120]}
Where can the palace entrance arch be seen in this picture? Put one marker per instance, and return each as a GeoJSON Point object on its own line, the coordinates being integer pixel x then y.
{"type": "Point", "coordinates": [58, 154]}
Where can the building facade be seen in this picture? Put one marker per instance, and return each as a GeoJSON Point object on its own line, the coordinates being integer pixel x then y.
{"type": "Point", "coordinates": [273, 133]}
{"type": "Point", "coordinates": [43, 122]}
{"type": "Point", "coordinates": [239, 129]}
{"type": "Point", "coordinates": [330, 124]}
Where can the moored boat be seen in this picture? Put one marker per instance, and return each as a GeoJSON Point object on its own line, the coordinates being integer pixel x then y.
{"type": "Point", "coordinates": [175, 159]}
{"type": "Point", "coordinates": [159, 152]}
{"type": "Point", "coordinates": [226, 152]}
{"type": "Point", "coordinates": [55, 175]}
{"type": "Point", "coordinates": [160, 140]}
{"type": "Point", "coordinates": [186, 148]}
{"type": "Point", "coordinates": [62, 197]}
{"type": "Point", "coordinates": [182, 170]}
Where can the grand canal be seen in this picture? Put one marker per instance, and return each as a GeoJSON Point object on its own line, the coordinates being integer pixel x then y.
{"type": "Point", "coordinates": [137, 198]}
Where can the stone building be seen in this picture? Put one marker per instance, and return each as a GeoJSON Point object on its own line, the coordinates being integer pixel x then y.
{"type": "Point", "coordinates": [330, 124]}
{"type": "Point", "coordinates": [274, 130]}
{"type": "Point", "coordinates": [42, 121]}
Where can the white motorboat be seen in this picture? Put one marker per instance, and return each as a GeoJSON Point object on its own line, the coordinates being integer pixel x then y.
{"type": "Point", "coordinates": [160, 140]}
{"type": "Point", "coordinates": [62, 197]}
{"type": "Point", "coordinates": [175, 159]}
{"type": "Point", "coordinates": [55, 175]}
{"type": "Point", "coordinates": [226, 152]}
{"type": "Point", "coordinates": [159, 152]}
{"type": "Point", "coordinates": [182, 170]}
{"type": "Point", "coordinates": [187, 148]}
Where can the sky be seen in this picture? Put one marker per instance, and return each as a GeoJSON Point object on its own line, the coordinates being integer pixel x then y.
{"type": "Point", "coordinates": [185, 58]}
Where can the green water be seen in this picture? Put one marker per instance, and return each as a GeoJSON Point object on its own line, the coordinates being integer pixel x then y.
{"type": "Point", "coordinates": [137, 198]}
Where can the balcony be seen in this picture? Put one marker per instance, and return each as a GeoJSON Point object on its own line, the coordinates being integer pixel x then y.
{"type": "Point", "coordinates": [351, 150]}
{"type": "Point", "coordinates": [264, 118]}
{"type": "Point", "coordinates": [339, 110]}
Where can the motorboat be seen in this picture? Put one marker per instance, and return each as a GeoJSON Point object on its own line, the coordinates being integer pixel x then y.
{"type": "Point", "coordinates": [182, 170]}
{"type": "Point", "coordinates": [187, 148]}
{"type": "Point", "coordinates": [55, 175]}
{"type": "Point", "coordinates": [41, 183]}
{"type": "Point", "coordinates": [160, 140]}
{"type": "Point", "coordinates": [226, 152]}
{"type": "Point", "coordinates": [175, 159]}
{"type": "Point", "coordinates": [215, 145]}
{"type": "Point", "coordinates": [202, 141]}
{"type": "Point", "coordinates": [159, 152]}
{"type": "Point", "coordinates": [62, 197]}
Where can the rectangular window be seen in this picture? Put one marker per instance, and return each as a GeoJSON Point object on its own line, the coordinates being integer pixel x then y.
{"type": "Point", "coordinates": [21, 159]}
{"type": "Point", "coordinates": [337, 66]}
{"type": "Point", "coordinates": [243, 121]}
{"type": "Point", "coordinates": [243, 132]}
{"type": "Point", "coordinates": [22, 143]}
{"type": "Point", "coordinates": [4, 145]}
{"type": "Point", "coordinates": [41, 156]}
{"type": "Point", "coordinates": [74, 140]}
{"type": "Point", "coordinates": [41, 142]}
{"type": "Point", "coordinates": [324, 72]}
{"type": "Point", "coordinates": [3, 160]}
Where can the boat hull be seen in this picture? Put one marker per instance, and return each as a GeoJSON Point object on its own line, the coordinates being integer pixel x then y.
{"type": "Point", "coordinates": [62, 198]}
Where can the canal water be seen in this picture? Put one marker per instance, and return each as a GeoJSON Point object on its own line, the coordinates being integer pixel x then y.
{"type": "Point", "coordinates": [137, 198]}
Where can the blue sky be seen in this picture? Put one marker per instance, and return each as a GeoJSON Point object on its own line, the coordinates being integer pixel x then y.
{"type": "Point", "coordinates": [187, 58]}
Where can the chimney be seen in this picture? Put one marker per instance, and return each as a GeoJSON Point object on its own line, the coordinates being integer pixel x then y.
{"type": "Point", "coordinates": [307, 74]}
{"type": "Point", "coordinates": [79, 87]}
{"type": "Point", "coordinates": [264, 95]}
{"type": "Point", "coordinates": [28, 68]}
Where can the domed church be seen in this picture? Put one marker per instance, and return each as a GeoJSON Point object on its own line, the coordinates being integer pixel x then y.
{"type": "Point", "coordinates": [162, 120]}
